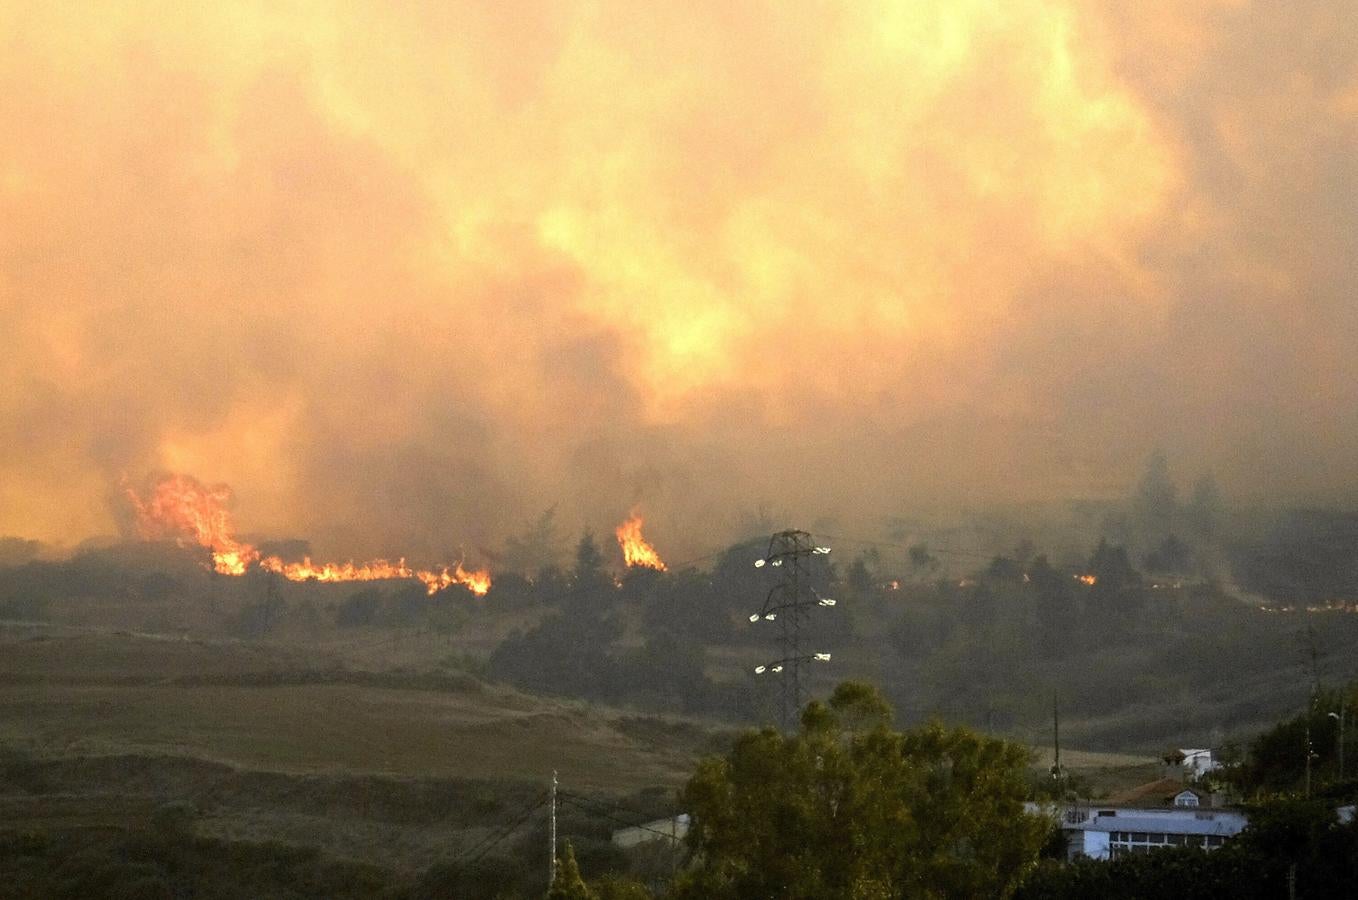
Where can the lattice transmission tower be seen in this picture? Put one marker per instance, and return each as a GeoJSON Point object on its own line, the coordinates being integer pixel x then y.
{"type": "Point", "coordinates": [788, 603]}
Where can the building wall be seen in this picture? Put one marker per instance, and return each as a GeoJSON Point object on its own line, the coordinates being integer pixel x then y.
{"type": "Point", "coordinates": [1101, 834]}
{"type": "Point", "coordinates": [1093, 844]}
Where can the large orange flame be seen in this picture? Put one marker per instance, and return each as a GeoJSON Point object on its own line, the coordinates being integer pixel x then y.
{"type": "Point", "coordinates": [181, 507]}
{"type": "Point", "coordinates": [636, 551]}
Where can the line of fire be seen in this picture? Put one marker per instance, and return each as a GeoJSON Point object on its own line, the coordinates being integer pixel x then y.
{"type": "Point", "coordinates": [179, 507]}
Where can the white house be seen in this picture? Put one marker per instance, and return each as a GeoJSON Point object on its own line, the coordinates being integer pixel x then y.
{"type": "Point", "coordinates": [1106, 832]}
{"type": "Point", "coordinates": [1198, 763]}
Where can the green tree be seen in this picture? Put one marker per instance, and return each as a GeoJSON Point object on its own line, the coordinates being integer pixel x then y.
{"type": "Point", "coordinates": [620, 887]}
{"type": "Point", "coordinates": [850, 808]}
{"type": "Point", "coordinates": [1276, 760]}
{"type": "Point", "coordinates": [588, 576]}
{"type": "Point", "coordinates": [568, 885]}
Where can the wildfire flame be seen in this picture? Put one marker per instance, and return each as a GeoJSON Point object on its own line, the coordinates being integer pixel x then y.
{"type": "Point", "coordinates": [434, 580]}
{"type": "Point", "coordinates": [1087, 579]}
{"type": "Point", "coordinates": [635, 549]}
{"type": "Point", "coordinates": [181, 507]}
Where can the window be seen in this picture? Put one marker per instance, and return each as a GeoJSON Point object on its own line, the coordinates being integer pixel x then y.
{"type": "Point", "coordinates": [1121, 843]}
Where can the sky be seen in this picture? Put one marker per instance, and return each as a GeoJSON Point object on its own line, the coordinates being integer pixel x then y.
{"type": "Point", "coordinates": [406, 274]}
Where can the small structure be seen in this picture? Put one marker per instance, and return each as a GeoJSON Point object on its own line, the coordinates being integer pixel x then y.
{"type": "Point", "coordinates": [1109, 831]}
{"type": "Point", "coordinates": [1197, 763]}
{"type": "Point", "coordinates": [670, 830]}
{"type": "Point", "coordinates": [1165, 792]}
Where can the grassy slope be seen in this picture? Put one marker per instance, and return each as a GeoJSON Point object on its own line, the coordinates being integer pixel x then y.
{"type": "Point", "coordinates": [106, 694]}
{"type": "Point", "coordinates": [276, 743]}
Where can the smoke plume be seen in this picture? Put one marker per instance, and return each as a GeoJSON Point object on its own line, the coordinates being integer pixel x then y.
{"type": "Point", "coordinates": [404, 275]}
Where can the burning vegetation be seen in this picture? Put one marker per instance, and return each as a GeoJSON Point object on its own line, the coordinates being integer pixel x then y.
{"type": "Point", "coordinates": [636, 550]}
{"type": "Point", "coordinates": [179, 507]}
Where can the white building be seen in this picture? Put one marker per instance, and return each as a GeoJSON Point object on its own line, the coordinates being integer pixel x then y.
{"type": "Point", "coordinates": [1106, 832]}
{"type": "Point", "coordinates": [669, 830]}
{"type": "Point", "coordinates": [1198, 763]}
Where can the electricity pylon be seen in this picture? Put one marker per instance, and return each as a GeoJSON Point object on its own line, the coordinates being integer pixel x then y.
{"type": "Point", "coordinates": [787, 602]}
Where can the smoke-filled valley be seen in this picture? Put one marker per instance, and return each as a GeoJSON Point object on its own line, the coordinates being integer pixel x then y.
{"type": "Point", "coordinates": [416, 418]}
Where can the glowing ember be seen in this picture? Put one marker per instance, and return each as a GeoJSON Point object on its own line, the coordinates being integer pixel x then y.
{"type": "Point", "coordinates": [182, 508]}
{"type": "Point", "coordinates": [635, 550]}
{"type": "Point", "coordinates": [1087, 579]}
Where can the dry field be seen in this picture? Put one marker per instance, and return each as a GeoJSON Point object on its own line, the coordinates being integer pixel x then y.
{"type": "Point", "coordinates": [286, 710]}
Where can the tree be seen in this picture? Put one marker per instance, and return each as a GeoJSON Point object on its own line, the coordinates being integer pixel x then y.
{"type": "Point", "coordinates": [588, 576]}
{"type": "Point", "coordinates": [619, 887]}
{"type": "Point", "coordinates": [1205, 508]}
{"type": "Point", "coordinates": [1156, 498]}
{"type": "Point", "coordinates": [922, 562]}
{"type": "Point", "coordinates": [847, 807]}
{"type": "Point", "coordinates": [537, 548]}
{"type": "Point", "coordinates": [568, 885]}
{"type": "Point", "coordinates": [1276, 761]}
{"type": "Point", "coordinates": [1110, 566]}
{"type": "Point", "coordinates": [1172, 557]}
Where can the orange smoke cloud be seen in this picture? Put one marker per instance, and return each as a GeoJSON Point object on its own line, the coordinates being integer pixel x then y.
{"type": "Point", "coordinates": [469, 260]}
{"type": "Point", "coordinates": [636, 551]}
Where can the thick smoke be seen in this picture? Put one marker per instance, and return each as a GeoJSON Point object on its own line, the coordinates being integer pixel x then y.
{"type": "Point", "coordinates": [405, 277]}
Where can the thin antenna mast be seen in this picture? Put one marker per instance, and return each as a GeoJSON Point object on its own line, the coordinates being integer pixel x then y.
{"type": "Point", "coordinates": [551, 837]}
{"type": "Point", "coordinates": [1057, 771]}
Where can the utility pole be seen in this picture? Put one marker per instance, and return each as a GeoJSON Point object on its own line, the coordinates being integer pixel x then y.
{"type": "Point", "coordinates": [1057, 772]}
{"type": "Point", "coordinates": [1308, 758]}
{"type": "Point", "coordinates": [1311, 653]}
{"type": "Point", "coordinates": [1339, 719]}
{"type": "Point", "coordinates": [551, 837]}
{"type": "Point", "coordinates": [1342, 710]}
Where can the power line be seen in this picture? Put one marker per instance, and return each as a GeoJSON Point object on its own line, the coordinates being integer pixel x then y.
{"type": "Point", "coordinates": [594, 808]}
{"type": "Point", "coordinates": [478, 850]}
